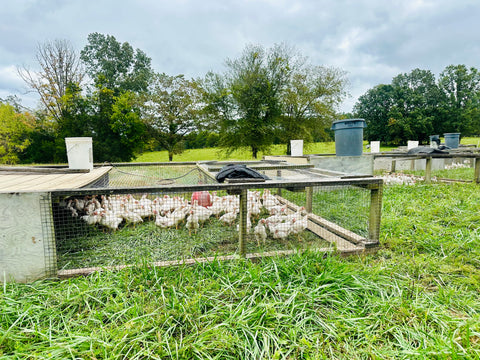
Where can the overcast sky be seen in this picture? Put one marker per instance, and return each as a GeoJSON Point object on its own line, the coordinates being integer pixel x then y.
{"type": "Point", "coordinates": [372, 40]}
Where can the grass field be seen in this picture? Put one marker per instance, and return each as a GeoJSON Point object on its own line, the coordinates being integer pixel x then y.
{"type": "Point", "coordinates": [245, 154]}
{"type": "Point", "coordinates": [416, 298]}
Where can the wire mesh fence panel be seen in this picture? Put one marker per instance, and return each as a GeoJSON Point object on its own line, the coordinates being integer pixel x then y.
{"type": "Point", "coordinates": [117, 225]}
{"type": "Point", "coordinates": [99, 230]}
{"type": "Point", "coordinates": [154, 175]}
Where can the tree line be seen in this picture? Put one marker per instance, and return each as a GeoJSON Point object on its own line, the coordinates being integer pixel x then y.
{"type": "Point", "coordinates": [416, 105]}
{"type": "Point", "coordinates": [110, 92]}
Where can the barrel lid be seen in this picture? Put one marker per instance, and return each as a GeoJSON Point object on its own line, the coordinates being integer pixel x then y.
{"type": "Point", "coordinates": [348, 123]}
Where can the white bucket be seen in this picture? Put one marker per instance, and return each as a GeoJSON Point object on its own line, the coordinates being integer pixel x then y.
{"type": "Point", "coordinates": [412, 144]}
{"type": "Point", "coordinates": [79, 153]}
{"type": "Point", "coordinates": [374, 146]}
{"type": "Point", "coordinates": [296, 147]}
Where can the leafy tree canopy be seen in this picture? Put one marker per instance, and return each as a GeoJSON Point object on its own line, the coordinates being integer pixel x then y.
{"type": "Point", "coordinates": [172, 110]}
{"type": "Point", "coordinates": [116, 66]}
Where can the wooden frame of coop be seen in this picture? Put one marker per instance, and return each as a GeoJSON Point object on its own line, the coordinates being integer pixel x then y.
{"type": "Point", "coordinates": [28, 238]}
{"type": "Point", "coordinates": [342, 240]}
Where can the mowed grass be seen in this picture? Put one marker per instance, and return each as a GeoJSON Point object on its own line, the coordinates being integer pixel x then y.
{"type": "Point", "coordinates": [417, 297]}
{"type": "Point", "coordinates": [241, 155]}
{"type": "Point", "coordinates": [244, 154]}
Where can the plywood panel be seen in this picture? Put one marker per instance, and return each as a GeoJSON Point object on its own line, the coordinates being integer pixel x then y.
{"type": "Point", "coordinates": [49, 182]}
{"type": "Point", "coordinates": [22, 256]}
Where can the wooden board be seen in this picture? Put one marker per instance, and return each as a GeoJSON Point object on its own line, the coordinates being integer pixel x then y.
{"type": "Point", "coordinates": [48, 182]}
{"type": "Point", "coordinates": [22, 242]}
{"type": "Point", "coordinates": [328, 225]}
{"type": "Point", "coordinates": [63, 274]}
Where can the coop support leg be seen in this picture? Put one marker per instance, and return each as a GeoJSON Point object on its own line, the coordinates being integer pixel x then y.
{"type": "Point", "coordinates": [428, 170]}
{"type": "Point", "coordinates": [242, 233]}
{"type": "Point", "coordinates": [279, 190]}
{"type": "Point", "coordinates": [309, 199]}
{"type": "Point", "coordinates": [375, 214]}
{"type": "Point", "coordinates": [477, 171]}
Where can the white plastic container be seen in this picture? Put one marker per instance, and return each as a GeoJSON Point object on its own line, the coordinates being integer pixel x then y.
{"type": "Point", "coordinates": [296, 147]}
{"type": "Point", "coordinates": [374, 146]}
{"type": "Point", "coordinates": [412, 144]}
{"type": "Point", "coordinates": [79, 153]}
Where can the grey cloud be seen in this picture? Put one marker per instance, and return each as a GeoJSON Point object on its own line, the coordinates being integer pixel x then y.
{"type": "Point", "coordinates": [373, 40]}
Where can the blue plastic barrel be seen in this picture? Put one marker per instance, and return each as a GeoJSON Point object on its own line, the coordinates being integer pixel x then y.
{"type": "Point", "coordinates": [349, 136]}
{"type": "Point", "coordinates": [452, 140]}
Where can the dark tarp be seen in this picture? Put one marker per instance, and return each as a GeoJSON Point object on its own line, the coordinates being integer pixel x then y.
{"type": "Point", "coordinates": [428, 150]}
{"type": "Point", "coordinates": [240, 171]}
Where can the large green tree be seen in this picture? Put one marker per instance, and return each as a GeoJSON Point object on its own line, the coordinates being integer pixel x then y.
{"type": "Point", "coordinates": [116, 66]}
{"type": "Point", "coordinates": [120, 76]}
{"type": "Point", "coordinates": [310, 102]}
{"type": "Point", "coordinates": [460, 87]}
{"type": "Point", "coordinates": [415, 106]}
{"type": "Point", "coordinates": [15, 129]}
{"type": "Point", "coordinates": [375, 106]}
{"type": "Point", "coordinates": [173, 109]}
{"type": "Point", "coordinates": [248, 97]}
{"type": "Point", "coordinates": [269, 95]}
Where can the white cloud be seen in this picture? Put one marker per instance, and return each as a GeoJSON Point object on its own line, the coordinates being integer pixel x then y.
{"type": "Point", "coordinates": [372, 40]}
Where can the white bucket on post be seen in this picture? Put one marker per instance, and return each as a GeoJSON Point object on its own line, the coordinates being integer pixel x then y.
{"type": "Point", "coordinates": [412, 144]}
{"type": "Point", "coordinates": [79, 153]}
{"type": "Point", "coordinates": [296, 147]}
{"type": "Point", "coordinates": [374, 146]}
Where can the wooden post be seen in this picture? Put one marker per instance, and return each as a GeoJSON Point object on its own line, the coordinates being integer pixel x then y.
{"type": "Point", "coordinates": [394, 166]}
{"type": "Point", "coordinates": [375, 213]}
{"type": "Point", "coordinates": [279, 190]}
{"type": "Point", "coordinates": [309, 199]}
{"type": "Point", "coordinates": [476, 179]}
{"type": "Point", "coordinates": [428, 170]}
{"type": "Point", "coordinates": [242, 227]}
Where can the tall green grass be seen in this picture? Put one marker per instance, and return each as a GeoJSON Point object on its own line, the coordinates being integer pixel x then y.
{"type": "Point", "coordinates": [416, 298]}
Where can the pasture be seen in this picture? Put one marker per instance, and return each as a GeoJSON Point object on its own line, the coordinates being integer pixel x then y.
{"type": "Point", "coordinates": [417, 297]}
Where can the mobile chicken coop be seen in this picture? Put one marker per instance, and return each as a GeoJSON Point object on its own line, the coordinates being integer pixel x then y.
{"type": "Point", "coordinates": [59, 223]}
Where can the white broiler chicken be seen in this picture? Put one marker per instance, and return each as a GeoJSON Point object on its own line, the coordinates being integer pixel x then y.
{"type": "Point", "coordinates": [71, 208]}
{"type": "Point", "coordinates": [110, 220]}
{"type": "Point", "coordinates": [299, 225]}
{"type": "Point", "coordinates": [92, 219]}
{"type": "Point", "coordinates": [165, 221]}
{"type": "Point", "coordinates": [178, 215]}
{"type": "Point", "coordinates": [115, 204]}
{"type": "Point", "coordinates": [268, 200]}
{"type": "Point", "coordinates": [203, 213]}
{"type": "Point", "coordinates": [281, 232]}
{"type": "Point", "coordinates": [131, 217]}
{"type": "Point", "coordinates": [92, 205]}
{"type": "Point", "coordinates": [255, 208]}
{"type": "Point", "coordinates": [228, 218]}
{"type": "Point", "coordinates": [297, 215]}
{"type": "Point", "coordinates": [260, 232]}
{"type": "Point", "coordinates": [192, 222]}
{"type": "Point", "coordinates": [217, 206]}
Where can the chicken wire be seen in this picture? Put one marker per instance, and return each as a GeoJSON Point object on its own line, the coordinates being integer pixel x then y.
{"type": "Point", "coordinates": [130, 175]}
{"type": "Point", "coordinates": [103, 227]}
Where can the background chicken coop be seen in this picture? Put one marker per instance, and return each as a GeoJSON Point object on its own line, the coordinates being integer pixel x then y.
{"type": "Point", "coordinates": [166, 214]}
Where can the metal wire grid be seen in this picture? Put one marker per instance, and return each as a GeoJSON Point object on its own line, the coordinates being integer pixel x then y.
{"type": "Point", "coordinates": [48, 235]}
{"type": "Point", "coordinates": [141, 175]}
{"type": "Point", "coordinates": [336, 212]}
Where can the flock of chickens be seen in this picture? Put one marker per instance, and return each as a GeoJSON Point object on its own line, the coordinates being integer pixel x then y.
{"type": "Point", "coordinates": [174, 211]}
